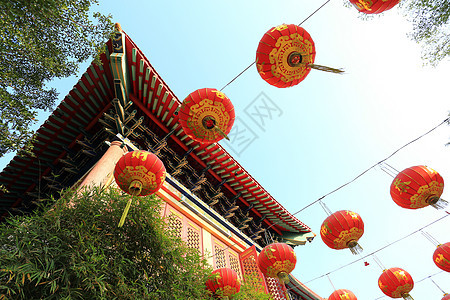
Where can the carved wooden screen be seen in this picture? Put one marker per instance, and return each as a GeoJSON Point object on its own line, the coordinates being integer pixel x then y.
{"type": "Point", "coordinates": [250, 269]}
{"type": "Point", "coordinates": [276, 289]}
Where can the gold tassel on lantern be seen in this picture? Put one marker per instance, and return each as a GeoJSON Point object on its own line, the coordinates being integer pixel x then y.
{"type": "Point", "coordinates": [407, 296]}
{"type": "Point", "coordinates": [326, 69]}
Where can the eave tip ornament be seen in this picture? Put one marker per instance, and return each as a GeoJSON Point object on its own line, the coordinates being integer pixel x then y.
{"type": "Point", "coordinates": [374, 6]}
{"type": "Point", "coordinates": [139, 173]}
{"type": "Point", "coordinates": [418, 187]}
{"type": "Point", "coordinates": [343, 229]}
{"type": "Point", "coordinates": [285, 56]}
{"type": "Point", "coordinates": [207, 115]}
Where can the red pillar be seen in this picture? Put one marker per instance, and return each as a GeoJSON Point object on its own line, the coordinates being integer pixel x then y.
{"type": "Point", "coordinates": [104, 168]}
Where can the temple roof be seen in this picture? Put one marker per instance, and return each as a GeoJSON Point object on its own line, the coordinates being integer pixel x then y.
{"type": "Point", "coordinates": [73, 138]}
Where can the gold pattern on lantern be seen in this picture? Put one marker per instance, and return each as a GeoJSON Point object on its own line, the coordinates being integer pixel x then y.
{"type": "Point", "coordinates": [278, 57]}
{"type": "Point", "coordinates": [419, 200]}
{"type": "Point", "coordinates": [228, 290]}
{"type": "Point", "coordinates": [345, 296]}
{"type": "Point", "coordinates": [280, 27]}
{"type": "Point", "coordinates": [441, 260]}
{"type": "Point", "coordinates": [364, 4]}
{"type": "Point", "coordinates": [352, 214]}
{"type": "Point", "coordinates": [219, 94]}
{"type": "Point", "coordinates": [400, 275]}
{"type": "Point", "coordinates": [140, 173]}
{"type": "Point", "coordinates": [403, 289]}
{"type": "Point", "coordinates": [402, 187]}
{"type": "Point", "coordinates": [268, 252]}
{"type": "Point", "coordinates": [207, 108]}
{"type": "Point", "coordinates": [346, 236]}
{"type": "Point", "coordinates": [280, 266]}
{"type": "Point", "coordinates": [142, 155]}
{"type": "Point", "coordinates": [382, 287]}
{"type": "Point", "coordinates": [325, 229]}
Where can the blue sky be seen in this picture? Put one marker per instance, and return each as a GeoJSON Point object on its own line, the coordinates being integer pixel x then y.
{"type": "Point", "coordinates": [322, 133]}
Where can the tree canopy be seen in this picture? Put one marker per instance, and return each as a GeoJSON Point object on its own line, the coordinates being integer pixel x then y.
{"type": "Point", "coordinates": [41, 40]}
{"type": "Point", "coordinates": [431, 27]}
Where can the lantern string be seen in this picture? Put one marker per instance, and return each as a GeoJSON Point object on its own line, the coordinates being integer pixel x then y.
{"type": "Point", "coordinates": [437, 285]}
{"type": "Point", "coordinates": [379, 263]}
{"type": "Point", "coordinates": [382, 248]}
{"type": "Point", "coordinates": [430, 238]}
{"type": "Point", "coordinates": [373, 166]}
{"type": "Point", "coordinates": [388, 169]}
{"type": "Point", "coordinates": [325, 208]}
{"type": "Point", "coordinates": [255, 61]}
{"type": "Point", "coordinates": [329, 279]}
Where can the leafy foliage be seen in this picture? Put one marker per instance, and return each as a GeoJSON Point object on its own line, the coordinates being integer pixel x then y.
{"type": "Point", "coordinates": [41, 40]}
{"type": "Point", "coordinates": [74, 250]}
{"type": "Point", "coordinates": [431, 27]}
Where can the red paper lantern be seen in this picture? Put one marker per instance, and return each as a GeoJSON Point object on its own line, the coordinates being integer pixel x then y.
{"type": "Point", "coordinates": [396, 283]}
{"type": "Point", "coordinates": [279, 53]}
{"type": "Point", "coordinates": [374, 6]}
{"type": "Point", "coordinates": [446, 297]}
{"type": "Point", "coordinates": [139, 173]}
{"type": "Point", "coordinates": [342, 295]}
{"type": "Point", "coordinates": [417, 187]}
{"type": "Point", "coordinates": [285, 56]}
{"type": "Point", "coordinates": [342, 230]}
{"type": "Point", "coordinates": [277, 260]}
{"type": "Point", "coordinates": [441, 256]}
{"type": "Point", "coordinates": [207, 115]}
{"type": "Point", "coordinates": [224, 282]}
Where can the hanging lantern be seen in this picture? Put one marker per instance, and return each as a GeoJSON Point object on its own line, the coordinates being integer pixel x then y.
{"type": "Point", "coordinates": [342, 295]}
{"type": "Point", "coordinates": [139, 173]}
{"type": "Point", "coordinates": [342, 230]}
{"type": "Point", "coordinates": [224, 282]}
{"type": "Point", "coordinates": [277, 260]}
{"type": "Point", "coordinates": [417, 187]}
{"type": "Point", "coordinates": [207, 115]}
{"type": "Point", "coordinates": [396, 283]}
{"type": "Point", "coordinates": [285, 56]}
{"type": "Point", "coordinates": [374, 6]}
{"type": "Point", "coordinates": [441, 256]}
{"type": "Point", "coordinates": [446, 297]}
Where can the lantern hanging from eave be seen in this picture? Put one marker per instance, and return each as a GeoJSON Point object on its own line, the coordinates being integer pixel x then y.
{"type": "Point", "coordinates": [277, 260]}
{"type": "Point", "coordinates": [224, 282]}
{"type": "Point", "coordinates": [374, 6]}
{"type": "Point", "coordinates": [342, 294]}
{"type": "Point", "coordinates": [285, 56]}
{"type": "Point", "coordinates": [396, 283]}
{"type": "Point", "coordinates": [343, 229]}
{"type": "Point", "coordinates": [446, 297]}
{"type": "Point", "coordinates": [139, 173]}
{"type": "Point", "coordinates": [417, 187]}
{"type": "Point", "coordinates": [441, 256]}
{"type": "Point", "coordinates": [207, 115]}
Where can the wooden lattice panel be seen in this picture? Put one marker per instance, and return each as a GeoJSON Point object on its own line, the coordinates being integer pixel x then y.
{"type": "Point", "coordinates": [176, 224]}
{"type": "Point", "coordinates": [276, 289]}
{"type": "Point", "coordinates": [250, 269]}
{"type": "Point", "coordinates": [193, 238]}
{"type": "Point", "coordinates": [219, 255]}
{"type": "Point", "coordinates": [234, 264]}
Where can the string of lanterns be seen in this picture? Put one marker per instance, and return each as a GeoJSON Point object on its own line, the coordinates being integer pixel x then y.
{"type": "Point", "coordinates": [284, 58]}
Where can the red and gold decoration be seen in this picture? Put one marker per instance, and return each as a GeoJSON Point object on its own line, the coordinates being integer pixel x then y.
{"type": "Point", "coordinates": [374, 6]}
{"type": "Point", "coordinates": [139, 173]}
{"type": "Point", "coordinates": [224, 282]}
{"type": "Point", "coordinates": [396, 283]}
{"type": "Point", "coordinates": [342, 230]}
{"type": "Point", "coordinates": [277, 260]}
{"type": "Point", "coordinates": [342, 295]}
{"type": "Point", "coordinates": [446, 297]}
{"type": "Point", "coordinates": [441, 256]}
{"type": "Point", "coordinates": [207, 115]}
{"type": "Point", "coordinates": [285, 56]}
{"type": "Point", "coordinates": [417, 187]}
